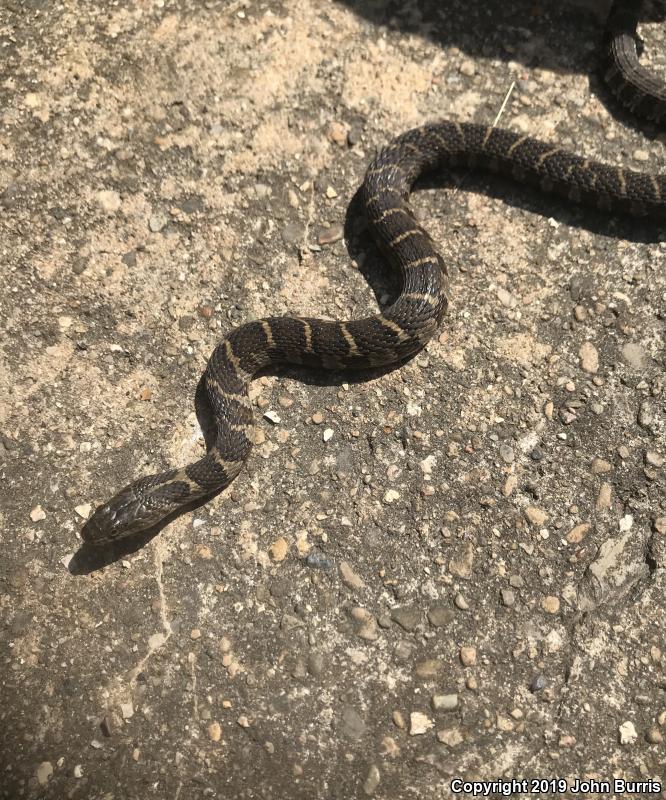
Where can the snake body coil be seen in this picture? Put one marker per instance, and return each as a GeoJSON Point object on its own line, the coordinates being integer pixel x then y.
{"type": "Point", "coordinates": [404, 328]}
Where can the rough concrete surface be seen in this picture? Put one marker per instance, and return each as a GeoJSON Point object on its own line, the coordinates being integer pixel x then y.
{"type": "Point", "coordinates": [454, 568]}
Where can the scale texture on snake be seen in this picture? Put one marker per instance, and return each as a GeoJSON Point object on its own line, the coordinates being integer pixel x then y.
{"type": "Point", "coordinates": [403, 328]}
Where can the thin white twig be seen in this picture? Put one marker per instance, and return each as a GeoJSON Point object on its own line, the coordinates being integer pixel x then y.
{"type": "Point", "coordinates": [503, 106]}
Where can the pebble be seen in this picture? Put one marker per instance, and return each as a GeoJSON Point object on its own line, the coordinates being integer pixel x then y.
{"type": "Point", "coordinates": [337, 133]}
{"type": "Point", "coordinates": [651, 458]}
{"type": "Point", "coordinates": [634, 355]}
{"type": "Point", "coordinates": [407, 617]}
{"type": "Point", "coordinates": [460, 602]}
{"type": "Point", "coordinates": [450, 736]}
{"type": "Point", "coordinates": [390, 496]}
{"type": "Point", "coordinates": [467, 68]}
{"type": "Point", "coordinates": [278, 550]}
{"type": "Point", "coordinates": [331, 193]}
{"type": "Point", "coordinates": [589, 357]}
{"type": "Point", "coordinates": [109, 201]}
{"type": "Point", "coordinates": [44, 773]}
{"type": "Point", "coordinates": [444, 702]}
{"type": "Point", "coordinates": [535, 515]}
{"type": "Point", "coordinates": [351, 723]}
{"type": "Point", "coordinates": [333, 234]}
{"type": "Point", "coordinates": [645, 414]}
{"type": "Point", "coordinates": [317, 418]}
{"type": "Point", "coordinates": [578, 533]}
{"type": "Point", "coordinates": [389, 747]}
{"type": "Point", "coordinates": [328, 434]}
{"type": "Point", "coordinates": [349, 577]}
{"type": "Point", "coordinates": [273, 416]}
{"type": "Point", "coordinates": [538, 683]}
{"type": "Point", "coordinates": [78, 771]}
{"type": "Point", "coordinates": [510, 485]}
{"type": "Point", "coordinates": [468, 656]}
{"type": "Point", "coordinates": [37, 514]}
{"type": "Point", "coordinates": [506, 453]}
{"type": "Point", "coordinates": [398, 720]}
{"type": "Point", "coordinates": [440, 616]}
{"type": "Point", "coordinates": [654, 736]}
{"type": "Point", "coordinates": [626, 523]}
{"type": "Point", "coordinates": [506, 298]}
{"type": "Point", "coordinates": [215, 731]}
{"type": "Point", "coordinates": [641, 155]}
{"type": "Point", "coordinates": [372, 780]}
{"type": "Point", "coordinates": [157, 222]}
{"type": "Point", "coordinates": [660, 524]}
{"type": "Point", "coordinates": [316, 560]}
{"type": "Point", "coordinates": [550, 604]}
{"type": "Point", "coordinates": [461, 564]}
{"type": "Point", "coordinates": [600, 466]}
{"type": "Point", "coordinates": [508, 598]}
{"type": "Point", "coordinates": [604, 497]}
{"type": "Point", "coordinates": [195, 634]}
{"type": "Point", "coordinates": [628, 734]}
{"type": "Point", "coordinates": [83, 510]}
{"type": "Point", "coordinates": [429, 668]}
{"type": "Point", "coordinates": [419, 723]}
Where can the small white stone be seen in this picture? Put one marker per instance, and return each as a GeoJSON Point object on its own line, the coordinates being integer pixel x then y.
{"type": "Point", "coordinates": [628, 734]}
{"type": "Point", "coordinates": [78, 771]}
{"type": "Point", "coordinates": [37, 514]}
{"type": "Point", "coordinates": [328, 434]}
{"type": "Point", "coordinates": [419, 723]}
{"type": "Point", "coordinates": [273, 416]}
{"type": "Point", "coordinates": [427, 464]}
{"type": "Point", "coordinates": [127, 710]}
{"type": "Point", "coordinates": [626, 523]}
{"type": "Point", "coordinates": [83, 510]}
{"type": "Point", "coordinates": [391, 496]}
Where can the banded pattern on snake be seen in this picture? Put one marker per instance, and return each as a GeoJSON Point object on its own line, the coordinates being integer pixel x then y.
{"type": "Point", "coordinates": [406, 326]}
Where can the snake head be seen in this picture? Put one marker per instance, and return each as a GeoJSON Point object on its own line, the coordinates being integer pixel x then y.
{"type": "Point", "coordinates": [135, 508]}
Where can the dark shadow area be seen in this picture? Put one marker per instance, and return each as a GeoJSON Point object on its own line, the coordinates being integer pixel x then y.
{"type": "Point", "coordinates": [562, 37]}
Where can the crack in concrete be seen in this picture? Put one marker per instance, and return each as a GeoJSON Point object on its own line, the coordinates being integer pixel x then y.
{"type": "Point", "coordinates": [158, 640]}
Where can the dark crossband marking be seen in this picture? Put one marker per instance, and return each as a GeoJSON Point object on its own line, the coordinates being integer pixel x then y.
{"type": "Point", "coordinates": [241, 397]}
{"type": "Point", "coordinates": [181, 476]}
{"type": "Point", "coordinates": [393, 326]}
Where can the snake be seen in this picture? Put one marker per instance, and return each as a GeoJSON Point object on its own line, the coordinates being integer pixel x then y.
{"type": "Point", "coordinates": [403, 328]}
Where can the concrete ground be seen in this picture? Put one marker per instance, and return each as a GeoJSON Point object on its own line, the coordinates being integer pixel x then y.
{"type": "Point", "coordinates": [452, 569]}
